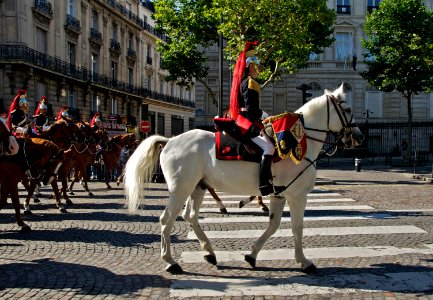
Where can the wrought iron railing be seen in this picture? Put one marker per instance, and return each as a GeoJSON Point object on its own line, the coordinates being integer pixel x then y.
{"type": "Point", "coordinates": [96, 36]}
{"type": "Point", "coordinates": [73, 23]}
{"type": "Point", "coordinates": [115, 45]}
{"type": "Point", "coordinates": [44, 7]}
{"type": "Point", "coordinates": [131, 54]}
{"type": "Point", "coordinates": [23, 54]}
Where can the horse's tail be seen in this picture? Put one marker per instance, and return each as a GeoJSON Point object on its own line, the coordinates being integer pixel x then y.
{"type": "Point", "coordinates": [140, 168]}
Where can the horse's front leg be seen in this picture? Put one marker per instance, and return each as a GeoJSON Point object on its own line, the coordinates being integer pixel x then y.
{"type": "Point", "coordinates": [59, 204]}
{"type": "Point", "coordinates": [218, 201]}
{"type": "Point", "coordinates": [297, 209]}
{"type": "Point", "coordinates": [30, 190]}
{"type": "Point", "coordinates": [190, 214]}
{"type": "Point", "coordinates": [83, 178]}
{"type": "Point", "coordinates": [108, 168]}
{"type": "Point", "coordinates": [172, 210]}
{"type": "Point", "coordinates": [275, 213]}
{"type": "Point", "coordinates": [261, 204]}
{"type": "Point", "coordinates": [16, 204]}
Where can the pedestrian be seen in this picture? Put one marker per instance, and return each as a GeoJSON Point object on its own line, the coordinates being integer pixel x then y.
{"type": "Point", "coordinates": [245, 110]}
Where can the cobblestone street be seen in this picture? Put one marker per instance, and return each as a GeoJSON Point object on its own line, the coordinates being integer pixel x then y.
{"type": "Point", "coordinates": [370, 233]}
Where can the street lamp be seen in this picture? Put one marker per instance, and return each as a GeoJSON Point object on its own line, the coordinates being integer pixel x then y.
{"type": "Point", "coordinates": [304, 88]}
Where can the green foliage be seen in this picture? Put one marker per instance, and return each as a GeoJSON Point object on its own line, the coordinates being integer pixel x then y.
{"type": "Point", "coordinates": [288, 31]}
{"type": "Point", "coordinates": [399, 47]}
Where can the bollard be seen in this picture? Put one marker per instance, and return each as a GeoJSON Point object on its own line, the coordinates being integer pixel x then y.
{"type": "Point", "coordinates": [358, 164]}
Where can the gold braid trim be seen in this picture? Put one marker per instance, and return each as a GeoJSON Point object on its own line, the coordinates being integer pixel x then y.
{"type": "Point", "coordinates": [280, 116]}
{"type": "Point", "coordinates": [253, 85]}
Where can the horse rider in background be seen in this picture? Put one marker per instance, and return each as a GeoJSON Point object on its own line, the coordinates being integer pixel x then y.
{"type": "Point", "coordinates": [18, 121]}
{"type": "Point", "coordinates": [245, 110]}
{"type": "Point", "coordinates": [63, 112]}
{"type": "Point", "coordinates": [40, 116]}
{"type": "Point", "coordinates": [96, 121]}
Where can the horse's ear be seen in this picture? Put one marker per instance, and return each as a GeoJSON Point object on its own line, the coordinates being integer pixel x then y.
{"type": "Point", "coordinates": [339, 93]}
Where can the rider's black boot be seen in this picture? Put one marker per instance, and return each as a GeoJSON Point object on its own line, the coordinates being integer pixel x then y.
{"type": "Point", "coordinates": [266, 186]}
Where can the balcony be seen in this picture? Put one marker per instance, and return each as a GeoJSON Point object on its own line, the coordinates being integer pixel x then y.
{"type": "Point", "coordinates": [43, 11]}
{"type": "Point", "coordinates": [343, 9]}
{"type": "Point", "coordinates": [115, 49]}
{"type": "Point", "coordinates": [95, 38]}
{"type": "Point", "coordinates": [149, 60]}
{"type": "Point", "coordinates": [72, 26]}
{"type": "Point", "coordinates": [19, 54]}
{"type": "Point", "coordinates": [131, 57]}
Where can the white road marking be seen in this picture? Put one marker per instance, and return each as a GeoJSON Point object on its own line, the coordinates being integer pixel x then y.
{"type": "Point", "coordinates": [267, 201]}
{"type": "Point", "coordinates": [323, 231]}
{"type": "Point", "coordinates": [286, 208]}
{"type": "Point", "coordinates": [311, 253]}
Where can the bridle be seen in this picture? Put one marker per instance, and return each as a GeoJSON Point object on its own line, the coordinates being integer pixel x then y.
{"type": "Point", "coordinates": [347, 125]}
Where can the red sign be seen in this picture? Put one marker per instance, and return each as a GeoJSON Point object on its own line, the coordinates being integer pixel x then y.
{"type": "Point", "coordinates": [145, 126]}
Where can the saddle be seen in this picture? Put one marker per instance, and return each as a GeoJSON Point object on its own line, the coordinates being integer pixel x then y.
{"type": "Point", "coordinates": [286, 131]}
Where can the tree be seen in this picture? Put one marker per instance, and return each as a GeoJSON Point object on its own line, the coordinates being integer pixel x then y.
{"type": "Point", "coordinates": [288, 32]}
{"type": "Point", "coordinates": [399, 52]}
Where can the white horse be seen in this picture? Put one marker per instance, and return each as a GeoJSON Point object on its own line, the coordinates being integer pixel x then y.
{"type": "Point", "coordinates": [190, 167]}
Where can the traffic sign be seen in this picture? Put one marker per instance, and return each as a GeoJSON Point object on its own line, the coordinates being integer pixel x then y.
{"type": "Point", "coordinates": [145, 126]}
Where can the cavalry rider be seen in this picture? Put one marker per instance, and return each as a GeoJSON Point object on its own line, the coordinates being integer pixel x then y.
{"type": "Point", "coordinates": [96, 121]}
{"type": "Point", "coordinates": [245, 110]}
{"type": "Point", "coordinates": [18, 121]}
{"type": "Point", "coordinates": [40, 116]}
{"type": "Point", "coordinates": [63, 112]}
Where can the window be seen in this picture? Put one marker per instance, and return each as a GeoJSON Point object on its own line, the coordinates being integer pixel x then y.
{"type": "Point", "coordinates": [96, 103]}
{"type": "Point", "coordinates": [431, 105]}
{"type": "Point", "coordinates": [114, 31]}
{"type": "Point", "coordinates": [71, 53]}
{"type": "Point", "coordinates": [71, 7]}
{"type": "Point", "coordinates": [130, 76]}
{"type": "Point", "coordinates": [94, 66]}
{"type": "Point", "coordinates": [314, 56]}
{"type": "Point", "coordinates": [114, 70]}
{"type": "Point", "coordinates": [161, 86]}
{"type": "Point", "coordinates": [149, 51]}
{"type": "Point", "coordinates": [176, 125]}
{"type": "Point", "coordinates": [41, 40]}
{"type": "Point", "coordinates": [373, 103]}
{"type": "Point", "coordinates": [95, 20]}
{"type": "Point", "coordinates": [71, 98]}
{"type": "Point", "coordinates": [372, 5]}
{"type": "Point", "coordinates": [344, 49]}
{"type": "Point", "coordinates": [149, 82]}
{"type": "Point", "coordinates": [114, 106]}
{"type": "Point", "coordinates": [130, 41]}
{"type": "Point", "coordinates": [343, 7]}
{"type": "Point", "coordinates": [161, 124]}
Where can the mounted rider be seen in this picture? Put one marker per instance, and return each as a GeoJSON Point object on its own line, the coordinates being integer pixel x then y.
{"type": "Point", "coordinates": [63, 112]}
{"type": "Point", "coordinates": [40, 116]}
{"type": "Point", "coordinates": [245, 110]}
{"type": "Point", "coordinates": [96, 123]}
{"type": "Point", "coordinates": [18, 121]}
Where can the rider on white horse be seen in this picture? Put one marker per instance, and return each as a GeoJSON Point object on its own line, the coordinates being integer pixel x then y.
{"type": "Point", "coordinates": [245, 110]}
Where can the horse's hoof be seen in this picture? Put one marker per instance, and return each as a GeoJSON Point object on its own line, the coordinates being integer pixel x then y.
{"type": "Point", "coordinates": [62, 210]}
{"type": "Point", "coordinates": [68, 201]}
{"type": "Point", "coordinates": [174, 269]}
{"type": "Point", "coordinates": [241, 204]}
{"type": "Point", "coordinates": [211, 259]}
{"type": "Point", "coordinates": [71, 193]}
{"type": "Point", "coordinates": [223, 210]}
{"type": "Point", "coordinates": [251, 260]}
{"type": "Point", "coordinates": [51, 196]}
{"type": "Point", "coordinates": [25, 228]}
{"type": "Point", "coordinates": [28, 212]}
{"type": "Point", "coordinates": [310, 269]}
{"type": "Point", "coordinates": [36, 200]}
{"type": "Point", "coordinates": [118, 183]}
{"type": "Point", "coordinates": [90, 194]}
{"type": "Point", "coordinates": [109, 187]}
{"type": "Point", "coordinates": [265, 208]}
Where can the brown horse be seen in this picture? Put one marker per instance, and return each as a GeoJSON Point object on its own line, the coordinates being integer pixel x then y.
{"type": "Point", "coordinates": [83, 155]}
{"type": "Point", "coordinates": [111, 154]}
{"type": "Point", "coordinates": [8, 143]}
{"type": "Point", "coordinates": [64, 133]}
{"type": "Point", "coordinates": [37, 159]}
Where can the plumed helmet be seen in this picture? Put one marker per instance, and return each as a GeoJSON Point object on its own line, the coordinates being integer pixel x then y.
{"type": "Point", "coordinates": [43, 106]}
{"type": "Point", "coordinates": [22, 101]}
{"type": "Point", "coordinates": [252, 60]}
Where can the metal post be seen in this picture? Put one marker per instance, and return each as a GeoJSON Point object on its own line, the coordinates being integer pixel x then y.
{"type": "Point", "coordinates": [220, 76]}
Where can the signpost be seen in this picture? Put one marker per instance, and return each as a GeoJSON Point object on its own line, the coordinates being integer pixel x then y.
{"type": "Point", "coordinates": [145, 126]}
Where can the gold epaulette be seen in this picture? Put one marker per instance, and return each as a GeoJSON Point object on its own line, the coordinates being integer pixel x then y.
{"type": "Point", "coordinates": [253, 85]}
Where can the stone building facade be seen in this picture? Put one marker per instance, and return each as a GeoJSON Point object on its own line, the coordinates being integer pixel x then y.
{"type": "Point", "coordinates": [92, 55]}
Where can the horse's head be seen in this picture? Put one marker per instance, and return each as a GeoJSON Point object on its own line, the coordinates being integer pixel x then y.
{"type": "Point", "coordinates": [341, 120]}
{"type": "Point", "coordinates": [91, 136]}
{"type": "Point", "coordinates": [64, 130]}
{"type": "Point", "coordinates": [130, 141]}
{"type": "Point", "coordinates": [8, 143]}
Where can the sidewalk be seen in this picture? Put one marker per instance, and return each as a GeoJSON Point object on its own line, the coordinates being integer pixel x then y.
{"type": "Point", "coordinates": [373, 174]}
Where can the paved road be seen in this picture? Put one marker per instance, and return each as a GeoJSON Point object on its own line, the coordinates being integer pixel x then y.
{"type": "Point", "coordinates": [370, 233]}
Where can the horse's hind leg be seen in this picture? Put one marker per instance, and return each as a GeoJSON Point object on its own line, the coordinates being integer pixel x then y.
{"type": "Point", "coordinates": [244, 202]}
{"type": "Point", "coordinates": [16, 204]}
{"type": "Point", "coordinates": [218, 201]}
{"type": "Point", "coordinates": [261, 204]}
{"type": "Point", "coordinates": [297, 209]}
{"type": "Point", "coordinates": [172, 210]}
{"type": "Point", "coordinates": [190, 214]}
{"type": "Point", "coordinates": [59, 204]}
{"type": "Point", "coordinates": [275, 213]}
{"type": "Point", "coordinates": [30, 189]}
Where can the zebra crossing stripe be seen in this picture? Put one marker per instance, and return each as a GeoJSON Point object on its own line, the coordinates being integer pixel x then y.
{"type": "Point", "coordinates": [262, 219]}
{"type": "Point", "coordinates": [267, 201]}
{"type": "Point", "coordinates": [310, 195]}
{"type": "Point", "coordinates": [311, 253]}
{"type": "Point", "coordinates": [254, 209]}
{"type": "Point", "coordinates": [323, 231]}
{"type": "Point", "coordinates": [406, 282]}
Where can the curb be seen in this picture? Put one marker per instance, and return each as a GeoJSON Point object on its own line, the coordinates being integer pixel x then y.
{"type": "Point", "coordinates": [423, 178]}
